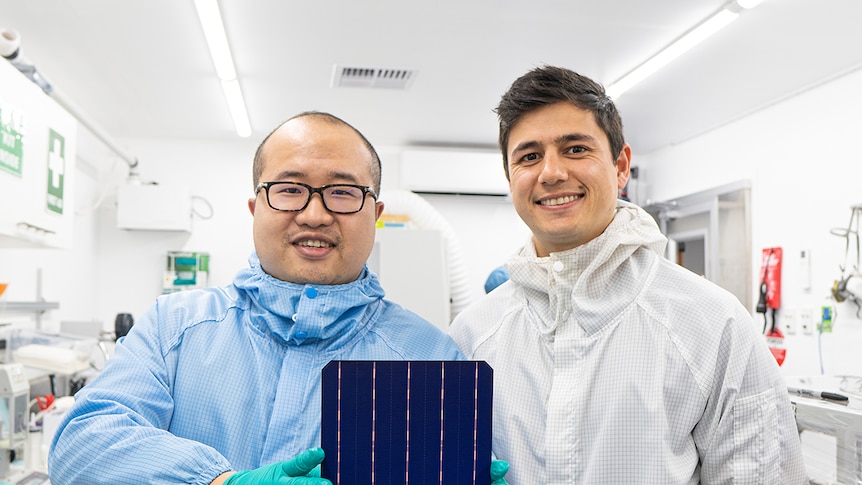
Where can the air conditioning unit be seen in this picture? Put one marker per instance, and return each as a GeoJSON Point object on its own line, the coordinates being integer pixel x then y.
{"type": "Point", "coordinates": [466, 172]}
{"type": "Point", "coordinates": [153, 207]}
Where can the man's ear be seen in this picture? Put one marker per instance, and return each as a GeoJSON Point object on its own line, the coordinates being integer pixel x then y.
{"type": "Point", "coordinates": [624, 163]}
{"type": "Point", "coordinates": [251, 203]}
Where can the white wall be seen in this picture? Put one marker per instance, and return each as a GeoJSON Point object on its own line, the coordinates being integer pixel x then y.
{"type": "Point", "coordinates": [803, 161]}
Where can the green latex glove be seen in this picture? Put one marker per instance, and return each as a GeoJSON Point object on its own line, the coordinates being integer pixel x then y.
{"type": "Point", "coordinates": [499, 468]}
{"type": "Point", "coordinates": [296, 471]}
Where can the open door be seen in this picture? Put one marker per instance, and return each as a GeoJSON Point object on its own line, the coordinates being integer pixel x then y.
{"type": "Point", "coordinates": [710, 234]}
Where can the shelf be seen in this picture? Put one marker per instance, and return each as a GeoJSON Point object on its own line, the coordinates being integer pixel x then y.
{"type": "Point", "coordinates": [28, 306]}
{"type": "Point", "coordinates": [37, 307]}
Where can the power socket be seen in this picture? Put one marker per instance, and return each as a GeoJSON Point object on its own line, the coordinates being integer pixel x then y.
{"type": "Point", "coordinates": [806, 321]}
{"type": "Point", "coordinates": [788, 320]}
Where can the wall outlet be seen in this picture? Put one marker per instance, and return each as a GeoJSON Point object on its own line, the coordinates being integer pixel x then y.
{"type": "Point", "coordinates": [788, 321]}
{"type": "Point", "coordinates": [806, 321]}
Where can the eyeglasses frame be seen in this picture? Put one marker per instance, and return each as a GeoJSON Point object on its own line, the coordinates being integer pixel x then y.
{"type": "Point", "coordinates": [316, 190]}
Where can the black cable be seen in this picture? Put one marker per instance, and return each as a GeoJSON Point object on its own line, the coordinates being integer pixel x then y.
{"type": "Point", "coordinates": [761, 301]}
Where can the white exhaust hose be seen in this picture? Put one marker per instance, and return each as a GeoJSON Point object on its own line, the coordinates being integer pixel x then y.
{"type": "Point", "coordinates": [424, 216]}
{"type": "Point", "coordinates": [10, 49]}
{"type": "Point", "coordinates": [10, 42]}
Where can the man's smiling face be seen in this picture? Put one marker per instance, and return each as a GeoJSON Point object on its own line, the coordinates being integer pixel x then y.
{"type": "Point", "coordinates": [314, 245]}
{"type": "Point", "coordinates": [563, 178]}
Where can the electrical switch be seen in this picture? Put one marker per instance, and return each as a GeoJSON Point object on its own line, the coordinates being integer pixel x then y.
{"type": "Point", "coordinates": [805, 270]}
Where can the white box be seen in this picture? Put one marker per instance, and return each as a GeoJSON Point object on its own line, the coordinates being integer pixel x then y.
{"type": "Point", "coordinates": [154, 207]}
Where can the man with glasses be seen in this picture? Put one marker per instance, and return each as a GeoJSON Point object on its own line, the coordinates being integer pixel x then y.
{"type": "Point", "coordinates": [222, 379]}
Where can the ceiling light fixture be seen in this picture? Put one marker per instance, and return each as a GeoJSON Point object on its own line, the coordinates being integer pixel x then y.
{"type": "Point", "coordinates": [236, 105]}
{"type": "Point", "coordinates": [747, 4]}
{"type": "Point", "coordinates": [688, 40]}
{"type": "Point", "coordinates": [211, 21]}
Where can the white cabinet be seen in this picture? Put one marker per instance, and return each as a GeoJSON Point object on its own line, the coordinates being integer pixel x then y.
{"type": "Point", "coordinates": [37, 165]}
{"type": "Point", "coordinates": [411, 265]}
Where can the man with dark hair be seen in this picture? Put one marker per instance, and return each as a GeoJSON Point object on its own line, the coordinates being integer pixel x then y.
{"type": "Point", "coordinates": [611, 363]}
{"type": "Point", "coordinates": [216, 380]}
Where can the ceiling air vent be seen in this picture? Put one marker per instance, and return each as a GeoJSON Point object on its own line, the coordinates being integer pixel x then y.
{"type": "Point", "coordinates": [372, 77]}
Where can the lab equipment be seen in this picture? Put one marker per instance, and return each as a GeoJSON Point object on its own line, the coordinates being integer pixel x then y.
{"type": "Point", "coordinates": [186, 270]}
{"type": "Point", "coordinates": [14, 415]}
{"type": "Point", "coordinates": [122, 324]}
{"type": "Point", "coordinates": [54, 364]}
{"type": "Point", "coordinates": [828, 413]}
{"type": "Point", "coordinates": [34, 478]}
{"type": "Point", "coordinates": [848, 286]}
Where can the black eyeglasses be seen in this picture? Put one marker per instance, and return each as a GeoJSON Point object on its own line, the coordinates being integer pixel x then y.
{"type": "Point", "coordinates": [295, 196]}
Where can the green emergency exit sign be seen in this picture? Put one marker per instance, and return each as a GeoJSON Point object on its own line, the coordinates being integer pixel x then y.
{"type": "Point", "coordinates": [56, 171]}
{"type": "Point", "coordinates": [11, 140]}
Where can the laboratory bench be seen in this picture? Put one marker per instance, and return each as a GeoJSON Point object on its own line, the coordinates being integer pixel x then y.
{"type": "Point", "coordinates": [830, 427]}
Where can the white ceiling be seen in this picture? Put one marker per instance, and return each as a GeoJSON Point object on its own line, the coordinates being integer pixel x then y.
{"type": "Point", "coordinates": [140, 68]}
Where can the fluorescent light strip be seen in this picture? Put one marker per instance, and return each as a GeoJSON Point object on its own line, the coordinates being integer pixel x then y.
{"type": "Point", "coordinates": [236, 105]}
{"type": "Point", "coordinates": [671, 52]}
{"type": "Point", "coordinates": [748, 4]}
{"type": "Point", "coordinates": [211, 21]}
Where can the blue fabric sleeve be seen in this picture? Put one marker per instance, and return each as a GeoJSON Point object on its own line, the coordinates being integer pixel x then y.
{"type": "Point", "coordinates": [117, 430]}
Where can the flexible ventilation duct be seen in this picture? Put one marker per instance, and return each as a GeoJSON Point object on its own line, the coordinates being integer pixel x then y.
{"type": "Point", "coordinates": [424, 216]}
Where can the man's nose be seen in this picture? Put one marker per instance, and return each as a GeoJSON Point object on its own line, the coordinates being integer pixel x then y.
{"type": "Point", "coordinates": [553, 169]}
{"type": "Point", "coordinates": [315, 213]}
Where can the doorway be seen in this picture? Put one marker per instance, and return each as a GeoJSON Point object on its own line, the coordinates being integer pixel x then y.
{"type": "Point", "coordinates": [709, 233]}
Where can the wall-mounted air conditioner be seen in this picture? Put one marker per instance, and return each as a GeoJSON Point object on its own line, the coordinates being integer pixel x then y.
{"type": "Point", "coordinates": [154, 207]}
{"type": "Point", "coordinates": [441, 171]}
